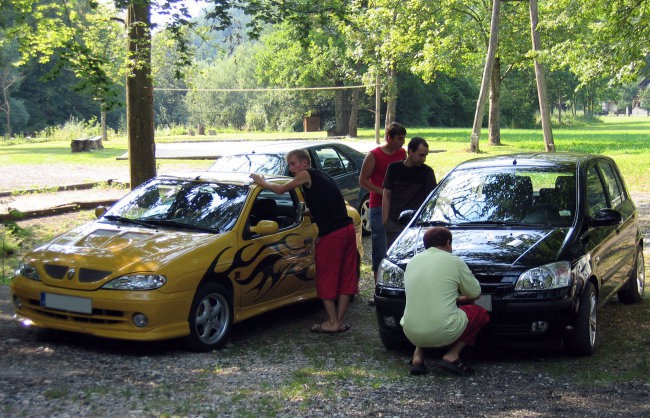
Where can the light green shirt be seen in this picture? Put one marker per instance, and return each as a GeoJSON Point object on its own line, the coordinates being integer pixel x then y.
{"type": "Point", "coordinates": [432, 281]}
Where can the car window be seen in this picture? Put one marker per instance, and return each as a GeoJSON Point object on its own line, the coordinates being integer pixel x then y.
{"type": "Point", "coordinates": [251, 163]}
{"type": "Point", "coordinates": [332, 162]}
{"type": "Point", "coordinates": [613, 182]}
{"type": "Point", "coordinates": [281, 208]}
{"type": "Point", "coordinates": [596, 197]}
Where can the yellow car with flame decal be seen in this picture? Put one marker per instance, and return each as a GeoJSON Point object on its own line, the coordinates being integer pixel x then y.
{"type": "Point", "coordinates": [180, 256]}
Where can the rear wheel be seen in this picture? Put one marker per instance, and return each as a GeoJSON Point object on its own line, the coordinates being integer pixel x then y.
{"type": "Point", "coordinates": [210, 318]}
{"type": "Point", "coordinates": [632, 291]}
{"type": "Point", "coordinates": [364, 212]}
{"type": "Point", "coordinates": [582, 339]}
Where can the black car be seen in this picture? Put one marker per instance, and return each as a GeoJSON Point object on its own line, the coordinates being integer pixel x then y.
{"type": "Point", "coordinates": [340, 161]}
{"type": "Point", "coordinates": [550, 237]}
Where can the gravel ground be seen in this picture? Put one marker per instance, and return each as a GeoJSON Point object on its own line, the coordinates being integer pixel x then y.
{"type": "Point", "coordinates": [273, 366]}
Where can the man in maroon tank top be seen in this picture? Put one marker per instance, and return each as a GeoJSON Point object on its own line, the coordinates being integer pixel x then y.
{"type": "Point", "coordinates": [371, 178]}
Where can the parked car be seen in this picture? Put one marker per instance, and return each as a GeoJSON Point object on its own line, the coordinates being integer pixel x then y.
{"type": "Point", "coordinates": [340, 161]}
{"type": "Point", "coordinates": [550, 237]}
{"type": "Point", "coordinates": [180, 256]}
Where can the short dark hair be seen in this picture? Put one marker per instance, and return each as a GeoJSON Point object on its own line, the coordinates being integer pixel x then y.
{"type": "Point", "coordinates": [300, 154]}
{"type": "Point", "coordinates": [437, 236]}
{"type": "Point", "coordinates": [394, 129]}
{"type": "Point", "coordinates": [415, 143]}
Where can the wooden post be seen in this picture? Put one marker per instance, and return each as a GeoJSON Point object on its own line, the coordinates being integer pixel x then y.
{"type": "Point", "coordinates": [377, 107]}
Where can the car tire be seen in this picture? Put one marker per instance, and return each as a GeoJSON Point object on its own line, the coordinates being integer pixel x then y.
{"type": "Point", "coordinates": [364, 212]}
{"type": "Point", "coordinates": [582, 339]}
{"type": "Point", "coordinates": [390, 340]}
{"type": "Point", "coordinates": [632, 291]}
{"type": "Point", "coordinates": [210, 318]}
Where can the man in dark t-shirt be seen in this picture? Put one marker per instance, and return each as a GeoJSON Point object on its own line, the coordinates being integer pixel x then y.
{"type": "Point", "coordinates": [337, 258]}
{"type": "Point", "coordinates": [406, 185]}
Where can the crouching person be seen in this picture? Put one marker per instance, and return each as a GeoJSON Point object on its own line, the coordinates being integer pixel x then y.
{"type": "Point", "coordinates": [440, 291]}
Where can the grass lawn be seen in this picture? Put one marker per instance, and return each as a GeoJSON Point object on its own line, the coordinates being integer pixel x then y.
{"type": "Point", "coordinates": [623, 138]}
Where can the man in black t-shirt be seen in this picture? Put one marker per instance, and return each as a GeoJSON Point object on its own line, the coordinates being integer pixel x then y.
{"type": "Point", "coordinates": [337, 257]}
{"type": "Point", "coordinates": [406, 185]}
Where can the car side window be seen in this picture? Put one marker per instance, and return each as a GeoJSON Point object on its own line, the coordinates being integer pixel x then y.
{"type": "Point", "coordinates": [614, 186]}
{"type": "Point", "coordinates": [332, 162]}
{"type": "Point", "coordinates": [596, 197]}
{"type": "Point", "coordinates": [281, 208]}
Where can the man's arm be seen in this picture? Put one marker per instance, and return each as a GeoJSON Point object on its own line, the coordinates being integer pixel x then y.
{"type": "Point", "coordinates": [301, 178]}
{"type": "Point", "coordinates": [366, 172]}
{"type": "Point", "coordinates": [385, 205]}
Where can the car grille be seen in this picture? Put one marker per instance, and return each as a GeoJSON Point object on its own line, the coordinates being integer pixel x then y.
{"type": "Point", "coordinates": [99, 316]}
{"type": "Point", "coordinates": [86, 275]}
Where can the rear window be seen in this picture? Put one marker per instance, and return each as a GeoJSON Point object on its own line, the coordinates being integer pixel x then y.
{"type": "Point", "coordinates": [251, 163]}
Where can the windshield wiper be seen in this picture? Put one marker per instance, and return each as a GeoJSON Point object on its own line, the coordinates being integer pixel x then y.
{"type": "Point", "coordinates": [116, 218]}
{"type": "Point", "coordinates": [433, 223]}
{"type": "Point", "coordinates": [501, 223]}
{"type": "Point", "coordinates": [165, 222]}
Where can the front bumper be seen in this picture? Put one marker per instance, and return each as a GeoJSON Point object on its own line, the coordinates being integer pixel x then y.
{"type": "Point", "coordinates": [509, 317]}
{"type": "Point", "coordinates": [112, 312]}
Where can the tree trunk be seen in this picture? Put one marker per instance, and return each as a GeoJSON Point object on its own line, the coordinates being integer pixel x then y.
{"type": "Point", "coordinates": [559, 111]}
{"type": "Point", "coordinates": [342, 111]}
{"type": "Point", "coordinates": [541, 81]}
{"type": "Point", "coordinates": [139, 95]}
{"type": "Point", "coordinates": [6, 108]}
{"type": "Point", "coordinates": [354, 114]}
{"type": "Point", "coordinates": [102, 119]}
{"type": "Point", "coordinates": [494, 127]}
{"type": "Point", "coordinates": [391, 97]}
{"type": "Point", "coordinates": [487, 75]}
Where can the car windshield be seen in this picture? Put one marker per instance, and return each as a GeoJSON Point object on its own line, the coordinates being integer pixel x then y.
{"type": "Point", "coordinates": [184, 204]}
{"type": "Point", "coordinates": [512, 196]}
{"type": "Point", "coordinates": [251, 163]}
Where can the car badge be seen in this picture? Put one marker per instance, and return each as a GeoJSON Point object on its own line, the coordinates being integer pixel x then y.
{"type": "Point", "coordinates": [71, 273]}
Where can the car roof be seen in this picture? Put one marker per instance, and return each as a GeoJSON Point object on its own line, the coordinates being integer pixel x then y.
{"type": "Point", "coordinates": [539, 159]}
{"type": "Point", "coordinates": [281, 147]}
{"type": "Point", "coordinates": [242, 179]}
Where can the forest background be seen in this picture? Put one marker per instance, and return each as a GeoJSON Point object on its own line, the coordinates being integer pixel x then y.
{"type": "Point", "coordinates": [210, 72]}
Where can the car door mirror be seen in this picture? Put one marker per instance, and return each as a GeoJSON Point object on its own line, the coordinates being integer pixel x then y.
{"type": "Point", "coordinates": [265, 227]}
{"type": "Point", "coordinates": [606, 217]}
{"type": "Point", "coordinates": [99, 211]}
{"type": "Point", "coordinates": [405, 217]}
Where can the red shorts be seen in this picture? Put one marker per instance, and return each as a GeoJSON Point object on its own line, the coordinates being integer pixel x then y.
{"type": "Point", "coordinates": [478, 316]}
{"type": "Point", "coordinates": [337, 264]}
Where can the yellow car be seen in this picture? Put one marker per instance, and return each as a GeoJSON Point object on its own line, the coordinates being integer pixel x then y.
{"type": "Point", "coordinates": [180, 256]}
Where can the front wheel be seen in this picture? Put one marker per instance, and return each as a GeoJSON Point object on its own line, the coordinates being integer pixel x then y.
{"type": "Point", "coordinates": [632, 291]}
{"type": "Point", "coordinates": [210, 318]}
{"type": "Point", "coordinates": [582, 339]}
{"type": "Point", "coordinates": [364, 212]}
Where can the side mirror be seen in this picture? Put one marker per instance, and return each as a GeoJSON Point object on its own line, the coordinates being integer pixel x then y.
{"type": "Point", "coordinates": [265, 227]}
{"type": "Point", "coordinates": [606, 217]}
{"type": "Point", "coordinates": [405, 217]}
{"type": "Point", "coordinates": [100, 210]}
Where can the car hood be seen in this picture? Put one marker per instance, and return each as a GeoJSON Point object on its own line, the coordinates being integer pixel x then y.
{"type": "Point", "coordinates": [111, 250]}
{"type": "Point", "coordinates": [505, 247]}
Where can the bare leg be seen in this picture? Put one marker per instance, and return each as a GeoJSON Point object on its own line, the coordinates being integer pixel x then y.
{"type": "Point", "coordinates": [343, 302]}
{"type": "Point", "coordinates": [418, 356]}
{"type": "Point", "coordinates": [332, 323]}
{"type": "Point", "coordinates": [454, 352]}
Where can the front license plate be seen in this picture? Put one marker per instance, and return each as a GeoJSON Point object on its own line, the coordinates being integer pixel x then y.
{"type": "Point", "coordinates": [67, 303]}
{"type": "Point", "coordinates": [484, 301]}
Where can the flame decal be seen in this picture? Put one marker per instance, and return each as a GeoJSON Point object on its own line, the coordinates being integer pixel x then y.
{"type": "Point", "coordinates": [281, 260]}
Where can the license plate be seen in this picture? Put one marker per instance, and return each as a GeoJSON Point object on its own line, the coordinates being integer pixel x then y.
{"type": "Point", "coordinates": [67, 303]}
{"type": "Point", "coordinates": [484, 301]}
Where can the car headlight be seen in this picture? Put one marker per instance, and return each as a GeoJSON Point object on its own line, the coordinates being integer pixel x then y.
{"type": "Point", "coordinates": [390, 274]}
{"type": "Point", "coordinates": [136, 282]}
{"type": "Point", "coordinates": [549, 276]}
{"type": "Point", "coordinates": [28, 271]}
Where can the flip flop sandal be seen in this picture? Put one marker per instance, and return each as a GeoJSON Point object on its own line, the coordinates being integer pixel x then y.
{"type": "Point", "coordinates": [458, 367]}
{"type": "Point", "coordinates": [318, 329]}
{"type": "Point", "coordinates": [417, 369]}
